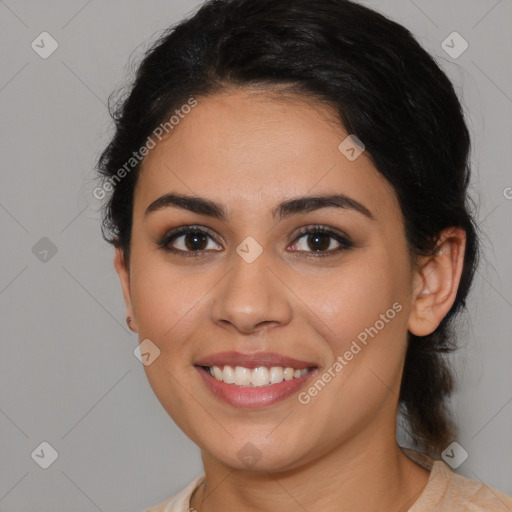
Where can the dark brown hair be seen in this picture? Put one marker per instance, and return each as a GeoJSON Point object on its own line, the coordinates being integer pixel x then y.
{"type": "Point", "coordinates": [388, 91]}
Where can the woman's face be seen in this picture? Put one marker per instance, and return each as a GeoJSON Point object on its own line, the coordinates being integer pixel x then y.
{"type": "Point", "coordinates": [254, 283]}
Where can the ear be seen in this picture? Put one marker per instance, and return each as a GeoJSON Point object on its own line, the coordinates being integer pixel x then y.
{"type": "Point", "coordinates": [435, 282]}
{"type": "Point", "coordinates": [124, 277]}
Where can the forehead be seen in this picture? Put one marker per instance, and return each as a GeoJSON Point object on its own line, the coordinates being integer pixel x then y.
{"type": "Point", "coordinates": [245, 147]}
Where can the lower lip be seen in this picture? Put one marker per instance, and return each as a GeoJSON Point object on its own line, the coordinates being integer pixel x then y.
{"type": "Point", "coordinates": [253, 397]}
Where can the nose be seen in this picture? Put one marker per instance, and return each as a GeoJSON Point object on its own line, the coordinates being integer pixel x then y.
{"type": "Point", "coordinates": [252, 297]}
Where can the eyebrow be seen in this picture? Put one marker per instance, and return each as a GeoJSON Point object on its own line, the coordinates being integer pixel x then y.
{"type": "Point", "coordinates": [284, 209]}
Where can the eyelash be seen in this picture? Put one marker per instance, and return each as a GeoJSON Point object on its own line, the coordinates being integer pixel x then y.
{"type": "Point", "coordinates": [343, 240]}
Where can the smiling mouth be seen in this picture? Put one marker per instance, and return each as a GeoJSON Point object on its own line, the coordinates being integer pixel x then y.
{"type": "Point", "coordinates": [252, 388]}
{"type": "Point", "coordinates": [255, 377]}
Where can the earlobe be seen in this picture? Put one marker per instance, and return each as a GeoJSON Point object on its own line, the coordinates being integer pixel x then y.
{"type": "Point", "coordinates": [124, 277]}
{"type": "Point", "coordinates": [437, 280]}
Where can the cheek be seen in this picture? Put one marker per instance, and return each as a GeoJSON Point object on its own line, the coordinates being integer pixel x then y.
{"type": "Point", "coordinates": [362, 321]}
{"type": "Point", "coordinates": [346, 302]}
{"type": "Point", "coordinates": [164, 297]}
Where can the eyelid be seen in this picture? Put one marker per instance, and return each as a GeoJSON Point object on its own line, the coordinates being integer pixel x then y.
{"type": "Point", "coordinates": [178, 232]}
{"type": "Point", "coordinates": [320, 228]}
{"type": "Point", "coordinates": [341, 237]}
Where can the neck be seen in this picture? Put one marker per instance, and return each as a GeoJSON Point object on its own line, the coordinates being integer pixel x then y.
{"type": "Point", "coordinates": [371, 473]}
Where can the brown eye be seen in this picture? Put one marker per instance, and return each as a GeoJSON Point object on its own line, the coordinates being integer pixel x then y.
{"type": "Point", "coordinates": [321, 241]}
{"type": "Point", "coordinates": [195, 241]}
{"type": "Point", "coordinates": [189, 241]}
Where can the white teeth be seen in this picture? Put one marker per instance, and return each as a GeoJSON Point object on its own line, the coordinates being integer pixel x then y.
{"type": "Point", "coordinates": [257, 377]}
{"type": "Point", "coordinates": [260, 376]}
{"type": "Point", "coordinates": [228, 375]}
{"type": "Point", "coordinates": [288, 373]}
{"type": "Point", "coordinates": [217, 372]}
{"type": "Point", "coordinates": [276, 375]}
{"type": "Point", "coordinates": [242, 376]}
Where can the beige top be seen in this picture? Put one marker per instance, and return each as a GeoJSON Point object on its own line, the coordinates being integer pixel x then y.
{"type": "Point", "coordinates": [445, 491]}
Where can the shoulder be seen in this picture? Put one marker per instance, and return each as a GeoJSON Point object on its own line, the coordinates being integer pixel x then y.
{"type": "Point", "coordinates": [476, 496]}
{"type": "Point", "coordinates": [180, 501]}
{"type": "Point", "coordinates": [446, 491]}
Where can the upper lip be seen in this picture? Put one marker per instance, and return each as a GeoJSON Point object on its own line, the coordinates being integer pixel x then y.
{"type": "Point", "coordinates": [254, 360]}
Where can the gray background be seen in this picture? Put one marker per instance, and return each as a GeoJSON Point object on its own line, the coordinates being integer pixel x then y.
{"type": "Point", "coordinates": [68, 374]}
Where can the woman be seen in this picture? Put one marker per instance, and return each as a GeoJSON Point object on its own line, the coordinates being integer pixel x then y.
{"type": "Point", "coordinates": [293, 239]}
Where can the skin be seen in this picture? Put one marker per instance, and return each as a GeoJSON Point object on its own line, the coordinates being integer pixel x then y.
{"type": "Point", "coordinates": [250, 150]}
